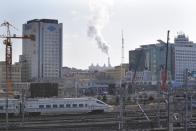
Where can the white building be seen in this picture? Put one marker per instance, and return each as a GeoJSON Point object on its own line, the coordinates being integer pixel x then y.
{"type": "Point", "coordinates": [99, 68]}
{"type": "Point", "coordinates": [184, 57]}
{"type": "Point", "coordinates": [44, 55]}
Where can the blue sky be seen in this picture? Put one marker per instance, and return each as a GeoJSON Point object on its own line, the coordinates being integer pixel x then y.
{"type": "Point", "coordinates": [143, 22]}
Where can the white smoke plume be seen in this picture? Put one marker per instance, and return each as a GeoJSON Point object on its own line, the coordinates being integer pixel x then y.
{"type": "Point", "coordinates": [100, 10]}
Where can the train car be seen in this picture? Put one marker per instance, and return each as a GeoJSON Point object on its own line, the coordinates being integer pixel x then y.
{"type": "Point", "coordinates": [65, 105]}
{"type": "Point", "coordinates": [13, 106]}
{"type": "Point", "coordinates": [194, 104]}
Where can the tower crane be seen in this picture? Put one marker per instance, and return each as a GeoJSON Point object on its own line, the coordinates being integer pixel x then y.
{"type": "Point", "coordinates": [8, 53]}
{"type": "Point", "coordinates": [8, 60]}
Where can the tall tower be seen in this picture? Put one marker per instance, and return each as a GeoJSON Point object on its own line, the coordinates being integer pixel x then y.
{"type": "Point", "coordinates": [43, 56]}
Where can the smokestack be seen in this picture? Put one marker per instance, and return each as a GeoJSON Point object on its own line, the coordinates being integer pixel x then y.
{"type": "Point", "coordinates": [109, 65]}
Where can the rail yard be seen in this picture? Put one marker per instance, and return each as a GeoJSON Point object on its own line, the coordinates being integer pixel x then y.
{"type": "Point", "coordinates": [134, 120]}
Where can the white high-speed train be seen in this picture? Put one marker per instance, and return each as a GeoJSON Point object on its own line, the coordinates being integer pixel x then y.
{"type": "Point", "coordinates": [55, 106]}
{"type": "Point", "coordinates": [13, 106]}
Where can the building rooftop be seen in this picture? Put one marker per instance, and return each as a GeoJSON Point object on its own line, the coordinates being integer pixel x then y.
{"type": "Point", "coordinates": [53, 21]}
{"type": "Point", "coordinates": [181, 38]}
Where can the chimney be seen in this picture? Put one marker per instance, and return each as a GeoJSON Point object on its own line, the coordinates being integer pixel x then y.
{"type": "Point", "coordinates": [109, 65]}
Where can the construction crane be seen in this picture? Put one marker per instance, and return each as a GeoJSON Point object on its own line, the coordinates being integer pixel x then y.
{"type": "Point", "coordinates": [8, 53]}
{"type": "Point", "coordinates": [8, 60]}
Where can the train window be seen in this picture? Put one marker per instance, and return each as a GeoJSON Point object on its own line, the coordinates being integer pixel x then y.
{"type": "Point", "coordinates": [55, 106]}
{"type": "Point", "coordinates": [61, 106]}
{"type": "Point", "coordinates": [81, 105]}
{"type": "Point", "coordinates": [99, 102]}
{"type": "Point", "coordinates": [41, 106]}
{"type": "Point", "coordinates": [68, 105]}
{"type": "Point", "coordinates": [1, 107]}
{"type": "Point", "coordinates": [74, 105]}
{"type": "Point", "coordinates": [86, 105]}
{"type": "Point", "coordinates": [48, 106]}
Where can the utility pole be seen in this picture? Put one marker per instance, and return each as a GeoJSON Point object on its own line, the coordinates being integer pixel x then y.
{"type": "Point", "coordinates": [76, 84]}
{"type": "Point", "coordinates": [167, 88]}
{"type": "Point", "coordinates": [158, 107]}
{"type": "Point", "coordinates": [191, 108]}
{"type": "Point", "coordinates": [186, 100]}
{"type": "Point", "coordinates": [22, 105]}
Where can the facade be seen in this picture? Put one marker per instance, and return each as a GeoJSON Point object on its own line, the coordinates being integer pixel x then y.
{"type": "Point", "coordinates": [43, 56]}
{"type": "Point", "coordinates": [16, 72]}
{"type": "Point", "coordinates": [140, 78]}
{"type": "Point", "coordinates": [137, 59]}
{"type": "Point", "coordinates": [17, 83]}
{"type": "Point", "coordinates": [24, 71]}
{"type": "Point", "coordinates": [181, 55]}
{"type": "Point", "coordinates": [184, 57]}
{"type": "Point", "coordinates": [152, 58]}
{"type": "Point", "coordinates": [94, 89]}
{"type": "Point", "coordinates": [117, 73]}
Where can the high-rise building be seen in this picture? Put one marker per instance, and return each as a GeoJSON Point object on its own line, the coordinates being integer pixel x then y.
{"type": "Point", "coordinates": [184, 57]}
{"type": "Point", "coordinates": [181, 56]}
{"type": "Point", "coordinates": [43, 57]}
{"type": "Point", "coordinates": [152, 58]}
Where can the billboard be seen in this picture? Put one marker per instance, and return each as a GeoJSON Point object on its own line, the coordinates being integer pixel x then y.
{"type": "Point", "coordinates": [43, 90]}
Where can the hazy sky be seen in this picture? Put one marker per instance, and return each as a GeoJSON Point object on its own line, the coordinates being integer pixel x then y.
{"type": "Point", "coordinates": [143, 22]}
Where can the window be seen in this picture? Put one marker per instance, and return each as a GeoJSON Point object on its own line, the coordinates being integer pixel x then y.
{"type": "Point", "coordinates": [48, 106]}
{"type": "Point", "coordinates": [61, 106]}
{"type": "Point", "coordinates": [74, 105]}
{"type": "Point", "coordinates": [1, 107]}
{"type": "Point", "coordinates": [68, 105]}
{"type": "Point", "coordinates": [99, 102]}
{"type": "Point", "coordinates": [86, 105]}
{"type": "Point", "coordinates": [54, 106]}
{"type": "Point", "coordinates": [81, 105]}
{"type": "Point", "coordinates": [41, 106]}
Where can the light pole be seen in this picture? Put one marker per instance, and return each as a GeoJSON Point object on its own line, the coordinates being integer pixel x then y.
{"type": "Point", "coordinates": [165, 86]}
{"type": "Point", "coordinates": [76, 84]}
{"type": "Point", "coordinates": [186, 100]}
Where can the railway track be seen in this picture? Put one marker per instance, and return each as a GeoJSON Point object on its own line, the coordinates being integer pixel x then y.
{"type": "Point", "coordinates": [81, 116]}
{"type": "Point", "coordinates": [105, 121]}
{"type": "Point", "coordinates": [133, 119]}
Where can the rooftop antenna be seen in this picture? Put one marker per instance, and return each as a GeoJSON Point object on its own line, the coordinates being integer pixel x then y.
{"type": "Point", "coordinates": [122, 59]}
